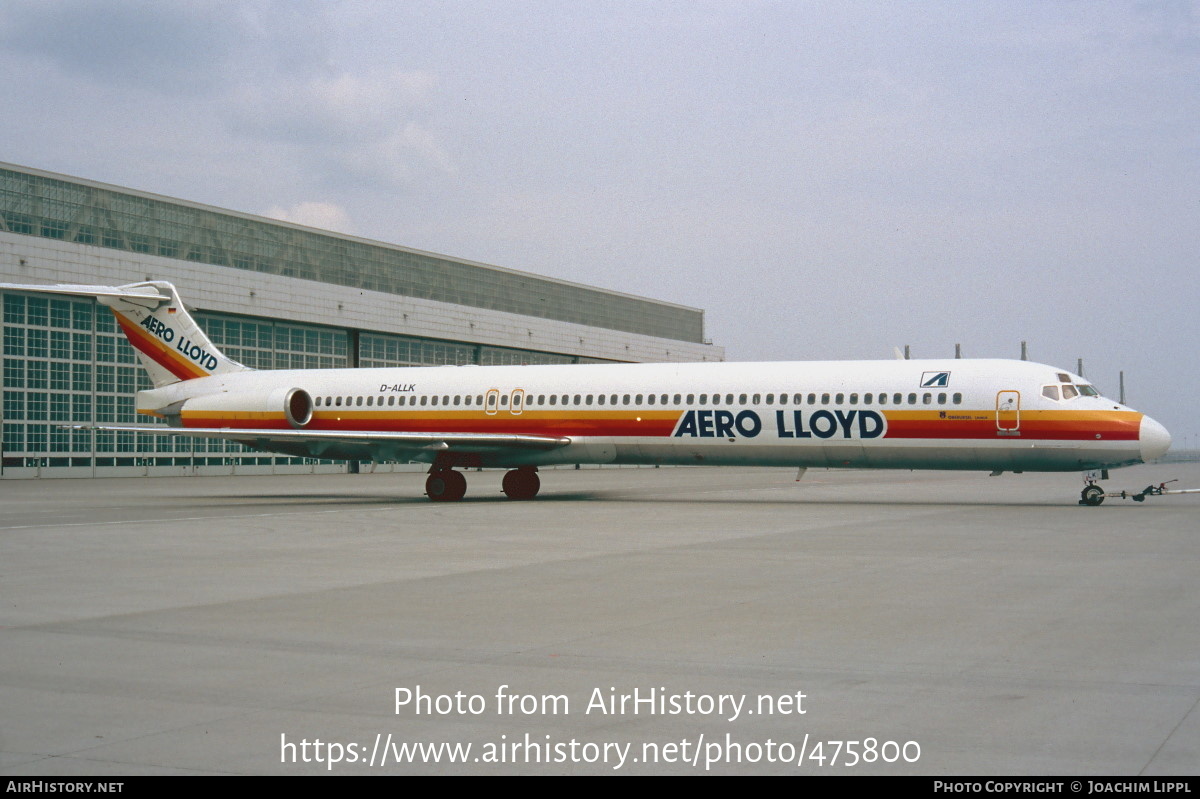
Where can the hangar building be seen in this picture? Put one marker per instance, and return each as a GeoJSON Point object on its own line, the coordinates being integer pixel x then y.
{"type": "Point", "coordinates": [273, 295]}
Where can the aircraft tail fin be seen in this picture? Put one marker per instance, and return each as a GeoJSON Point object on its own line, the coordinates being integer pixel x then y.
{"type": "Point", "coordinates": [169, 343]}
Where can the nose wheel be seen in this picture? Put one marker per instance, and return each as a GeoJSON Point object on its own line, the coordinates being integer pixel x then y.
{"type": "Point", "coordinates": [1091, 495]}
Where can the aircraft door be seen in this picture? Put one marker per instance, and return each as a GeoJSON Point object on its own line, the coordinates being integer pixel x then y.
{"type": "Point", "coordinates": [516, 402]}
{"type": "Point", "coordinates": [1008, 410]}
{"type": "Point", "coordinates": [492, 400]}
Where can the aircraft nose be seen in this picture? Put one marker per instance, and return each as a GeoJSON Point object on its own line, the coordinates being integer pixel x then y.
{"type": "Point", "coordinates": [1154, 438]}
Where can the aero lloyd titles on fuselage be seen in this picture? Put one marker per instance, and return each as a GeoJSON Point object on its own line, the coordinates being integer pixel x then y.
{"type": "Point", "coordinates": [181, 343]}
{"type": "Point", "coordinates": [787, 424]}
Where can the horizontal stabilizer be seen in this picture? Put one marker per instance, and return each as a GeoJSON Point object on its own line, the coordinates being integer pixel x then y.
{"type": "Point", "coordinates": [132, 292]}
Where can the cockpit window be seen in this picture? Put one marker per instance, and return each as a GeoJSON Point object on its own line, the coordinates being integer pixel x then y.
{"type": "Point", "coordinates": [1050, 392]}
{"type": "Point", "coordinates": [1088, 391]}
{"type": "Point", "coordinates": [1064, 378]}
{"type": "Point", "coordinates": [1069, 392]}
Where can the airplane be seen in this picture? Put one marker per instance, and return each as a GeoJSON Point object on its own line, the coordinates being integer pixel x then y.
{"type": "Point", "coordinates": [967, 414]}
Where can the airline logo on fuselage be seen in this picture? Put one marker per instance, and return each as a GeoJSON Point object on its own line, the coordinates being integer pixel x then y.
{"type": "Point", "coordinates": [167, 334]}
{"type": "Point", "coordinates": [794, 424]}
{"type": "Point", "coordinates": [935, 380]}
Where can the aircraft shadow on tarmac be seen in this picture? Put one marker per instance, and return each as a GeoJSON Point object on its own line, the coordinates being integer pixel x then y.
{"type": "Point", "coordinates": [350, 501]}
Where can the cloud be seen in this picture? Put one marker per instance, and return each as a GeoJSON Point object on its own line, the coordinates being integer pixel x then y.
{"type": "Point", "coordinates": [138, 43]}
{"type": "Point", "coordinates": [365, 124]}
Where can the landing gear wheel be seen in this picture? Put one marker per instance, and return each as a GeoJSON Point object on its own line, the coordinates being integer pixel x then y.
{"type": "Point", "coordinates": [521, 483]}
{"type": "Point", "coordinates": [1092, 495]}
{"type": "Point", "coordinates": [445, 485]}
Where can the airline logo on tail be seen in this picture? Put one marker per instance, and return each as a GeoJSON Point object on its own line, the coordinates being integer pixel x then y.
{"type": "Point", "coordinates": [167, 334]}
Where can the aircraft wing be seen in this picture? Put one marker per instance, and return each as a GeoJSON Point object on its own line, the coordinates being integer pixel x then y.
{"type": "Point", "coordinates": [387, 445]}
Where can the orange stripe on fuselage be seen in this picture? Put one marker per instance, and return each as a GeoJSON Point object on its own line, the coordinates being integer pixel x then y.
{"type": "Point", "coordinates": [1039, 425]}
{"type": "Point", "coordinates": [598, 423]}
{"type": "Point", "coordinates": [1045, 425]}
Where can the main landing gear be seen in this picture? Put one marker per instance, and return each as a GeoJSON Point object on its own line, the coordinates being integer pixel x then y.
{"type": "Point", "coordinates": [522, 483]}
{"type": "Point", "coordinates": [446, 485]}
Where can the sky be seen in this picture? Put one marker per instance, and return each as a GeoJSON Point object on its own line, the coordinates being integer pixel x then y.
{"type": "Point", "coordinates": [826, 180]}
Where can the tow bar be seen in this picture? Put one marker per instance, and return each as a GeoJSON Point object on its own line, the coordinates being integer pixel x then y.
{"type": "Point", "coordinates": [1093, 494]}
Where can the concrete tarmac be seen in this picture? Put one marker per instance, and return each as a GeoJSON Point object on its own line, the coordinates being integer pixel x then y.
{"type": "Point", "coordinates": [948, 623]}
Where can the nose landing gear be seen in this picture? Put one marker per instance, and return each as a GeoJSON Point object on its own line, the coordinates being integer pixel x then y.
{"type": "Point", "coordinates": [1091, 495]}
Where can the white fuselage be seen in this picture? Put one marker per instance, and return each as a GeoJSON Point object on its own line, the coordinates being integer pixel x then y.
{"type": "Point", "coordinates": [930, 414]}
